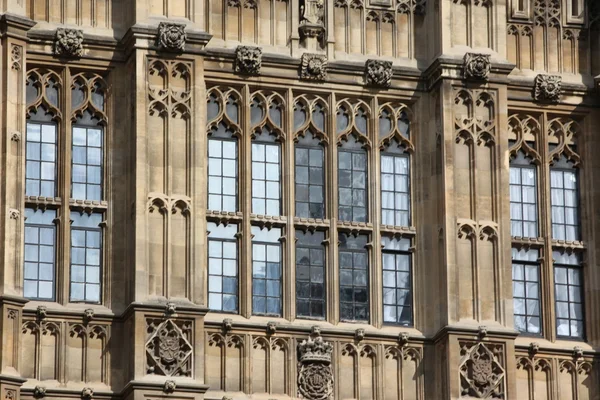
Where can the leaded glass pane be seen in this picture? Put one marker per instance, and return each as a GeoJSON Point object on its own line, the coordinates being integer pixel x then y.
{"type": "Point", "coordinates": [523, 201]}
{"type": "Point", "coordinates": [222, 175]}
{"type": "Point", "coordinates": [86, 257]}
{"type": "Point", "coordinates": [352, 185]}
{"type": "Point", "coordinates": [40, 159]}
{"type": "Point", "coordinates": [395, 190]}
{"type": "Point", "coordinates": [309, 179]}
{"type": "Point", "coordinates": [354, 279]}
{"type": "Point", "coordinates": [222, 267]}
{"type": "Point", "coordinates": [397, 281]}
{"type": "Point", "coordinates": [526, 291]}
{"type": "Point", "coordinates": [266, 192]}
{"type": "Point", "coordinates": [40, 242]}
{"type": "Point", "coordinates": [310, 274]}
{"type": "Point", "coordinates": [568, 292]}
{"type": "Point", "coordinates": [87, 163]}
{"type": "Point", "coordinates": [565, 204]}
{"type": "Point", "coordinates": [266, 271]}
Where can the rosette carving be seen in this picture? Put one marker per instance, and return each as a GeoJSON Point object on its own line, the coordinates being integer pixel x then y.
{"type": "Point", "coordinates": [477, 66]}
{"type": "Point", "coordinates": [68, 42]}
{"type": "Point", "coordinates": [547, 87]}
{"type": "Point", "coordinates": [171, 36]}
{"type": "Point", "coordinates": [314, 66]}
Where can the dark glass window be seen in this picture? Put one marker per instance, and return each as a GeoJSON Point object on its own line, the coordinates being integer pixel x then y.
{"type": "Point", "coordinates": [352, 181]}
{"type": "Point", "coordinates": [565, 201]}
{"type": "Point", "coordinates": [222, 267]}
{"type": "Point", "coordinates": [266, 271]}
{"type": "Point", "coordinates": [354, 277]}
{"type": "Point", "coordinates": [523, 198]}
{"type": "Point", "coordinates": [397, 281]}
{"type": "Point", "coordinates": [86, 257]}
{"type": "Point", "coordinates": [310, 178]}
{"type": "Point", "coordinates": [526, 290]}
{"type": "Point", "coordinates": [395, 192]}
{"type": "Point", "coordinates": [310, 274]}
{"type": "Point", "coordinates": [40, 242]}
{"type": "Point", "coordinates": [266, 191]}
{"type": "Point", "coordinates": [568, 291]}
{"type": "Point", "coordinates": [222, 170]}
{"type": "Point", "coordinates": [40, 155]}
{"type": "Point", "coordinates": [87, 163]}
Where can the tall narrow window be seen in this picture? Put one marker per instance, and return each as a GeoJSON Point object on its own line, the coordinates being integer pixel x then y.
{"type": "Point", "coordinates": [222, 267]}
{"type": "Point", "coordinates": [568, 291]}
{"type": "Point", "coordinates": [352, 181]}
{"type": "Point", "coordinates": [526, 290]}
{"type": "Point", "coordinates": [87, 159]}
{"type": "Point", "coordinates": [397, 281]}
{"type": "Point", "coordinates": [40, 254]}
{"type": "Point", "coordinates": [40, 155]}
{"type": "Point", "coordinates": [310, 177]}
{"type": "Point", "coordinates": [86, 257]}
{"type": "Point", "coordinates": [310, 274]}
{"type": "Point", "coordinates": [354, 281]}
{"type": "Point", "coordinates": [266, 271]}
{"type": "Point", "coordinates": [523, 198]}
{"type": "Point", "coordinates": [395, 188]}
{"type": "Point", "coordinates": [564, 201]}
{"type": "Point", "coordinates": [266, 191]}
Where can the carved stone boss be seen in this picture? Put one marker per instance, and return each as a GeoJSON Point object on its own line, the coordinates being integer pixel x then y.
{"type": "Point", "coordinates": [248, 60]}
{"type": "Point", "coordinates": [315, 375]}
{"type": "Point", "coordinates": [68, 42]}
{"type": "Point", "coordinates": [378, 73]}
{"type": "Point", "coordinates": [547, 87]}
{"type": "Point", "coordinates": [313, 66]}
{"type": "Point", "coordinates": [477, 66]}
{"type": "Point", "coordinates": [171, 37]}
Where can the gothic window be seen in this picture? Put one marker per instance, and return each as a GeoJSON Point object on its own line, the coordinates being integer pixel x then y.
{"type": "Point", "coordinates": [86, 256]}
{"type": "Point", "coordinates": [397, 281]}
{"type": "Point", "coordinates": [395, 191]}
{"type": "Point", "coordinates": [222, 267]}
{"type": "Point", "coordinates": [352, 181]}
{"type": "Point", "coordinates": [523, 197]}
{"type": "Point", "coordinates": [526, 290]}
{"type": "Point", "coordinates": [310, 274]}
{"type": "Point", "coordinates": [87, 160]}
{"type": "Point", "coordinates": [354, 277]}
{"type": "Point", "coordinates": [568, 285]}
{"type": "Point", "coordinates": [40, 254]}
{"type": "Point", "coordinates": [310, 177]}
{"type": "Point", "coordinates": [266, 191]}
{"type": "Point", "coordinates": [40, 155]}
{"type": "Point", "coordinates": [564, 200]}
{"type": "Point", "coordinates": [266, 271]}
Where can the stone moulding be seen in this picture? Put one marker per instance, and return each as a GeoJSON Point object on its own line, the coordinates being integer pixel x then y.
{"type": "Point", "coordinates": [547, 88]}
{"type": "Point", "coordinates": [68, 42]}
{"type": "Point", "coordinates": [171, 36]}
{"type": "Point", "coordinates": [248, 60]}
{"type": "Point", "coordinates": [315, 375]}
{"type": "Point", "coordinates": [378, 73]}
{"type": "Point", "coordinates": [477, 66]}
{"type": "Point", "coordinates": [313, 67]}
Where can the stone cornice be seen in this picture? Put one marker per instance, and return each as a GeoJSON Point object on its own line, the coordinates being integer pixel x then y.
{"type": "Point", "coordinates": [144, 37]}
{"type": "Point", "coordinates": [15, 25]}
{"type": "Point", "coordinates": [491, 332]}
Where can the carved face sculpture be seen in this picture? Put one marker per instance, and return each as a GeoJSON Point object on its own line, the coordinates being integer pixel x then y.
{"type": "Point", "coordinates": [250, 60]}
{"type": "Point", "coordinates": [314, 66]}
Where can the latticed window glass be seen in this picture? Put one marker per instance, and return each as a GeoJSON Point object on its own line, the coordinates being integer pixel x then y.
{"type": "Point", "coordinates": [40, 155]}
{"type": "Point", "coordinates": [222, 170]}
{"type": "Point", "coordinates": [87, 163]}
{"type": "Point", "coordinates": [310, 178]}
{"type": "Point", "coordinates": [564, 200]}
{"type": "Point", "coordinates": [222, 267]}
{"type": "Point", "coordinates": [86, 257]}
{"type": "Point", "coordinates": [40, 254]}
{"type": "Point", "coordinates": [266, 271]}
{"type": "Point", "coordinates": [395, 192]}
{"type": "Point", "coordinates": [568, 293]}
{"type": "Point", "coordinates": [354, 277]}
{"type": "Point", "coordinates": [352, 181]}
{"type": "Point", "coordinates": [523, 198]}
{"type": "Point", "coordinates": [310, 274]}
{"type": "Point", "coordinates": [397, 281]}
{"type": "Point", "coordinates": [266, 191]}
{"type": "Point", "coordinates": [526, 290]}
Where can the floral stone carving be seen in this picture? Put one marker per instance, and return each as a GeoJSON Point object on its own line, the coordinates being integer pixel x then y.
{"type": "Point", "coordinates": [315, 376]}
{"type": "Point", "coordinates": [547, 87]}
{"type": "Point", "coordinates": [313, 66]}
{"type": "Point", "coordinates": [68, 42]}
{"type": "Point", "coordinates": [378, 73]}
{"type": "Point", "coordinates": [168, 348]}
{"type": "Point", "coordinates": [477, 66]}
{"type": "Point", "coordinates": [481, 372]}
{"type": "Point", "coordinates": [171, 37]}
{"type": "Point", "coordinates": [248, 60]}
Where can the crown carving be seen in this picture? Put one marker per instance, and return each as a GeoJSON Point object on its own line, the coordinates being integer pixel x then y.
{"type": "Point", "coordinates": [315, 350]}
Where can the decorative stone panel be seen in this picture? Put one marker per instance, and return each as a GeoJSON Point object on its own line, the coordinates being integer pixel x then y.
{"type": "Point", "coordinates": [481, 370]}
{"type": "Point", "coordinates": [315, 375]}
{"type": "Point", "coordinates": [169, 348]}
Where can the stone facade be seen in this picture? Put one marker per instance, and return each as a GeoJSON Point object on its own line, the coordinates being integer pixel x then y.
{"type": "Point", "coordinates": [111, 284]}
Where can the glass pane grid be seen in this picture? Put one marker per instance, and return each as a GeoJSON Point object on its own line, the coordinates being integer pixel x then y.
{"type": "Point", "coordinates": [526, 291]}
{"type": "Point", "coordinates": [523, 202]}
{"type": "Point", "coordinates": [40, 239]}
{"type": "Point", "coordinates": [564, 200]}
{"type": "Point", "coordinates": [222, 275]}
{"type": "Point", "coordinates": [265, 179]}
{"type": "Point", "coordinates": [568, 291]}
{"type": "Point", "coordinates": [87, 164]}
{"type": "Point", "coordinates": [352, 182]}
{"type": "Point", "coordinates": [86, 245]}
{"type": "Point", "coordinates": [310, 181]}
{"type": "Point", "coordinates": [395, 192]}
{"type": "Point", "coordinates": [310, 275]}
{"type": "Point", "coordinates": [40, 156]}
{"type": "Point", "coordinates": [397, 288]}
{"type": "Point", "coordinates": [222, 175]}
{"type": "Point", "coordinates": [266, 279]}
{"type": "Point", "coordinates": [354, 297]}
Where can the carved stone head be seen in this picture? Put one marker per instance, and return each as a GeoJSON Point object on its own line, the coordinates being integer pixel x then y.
{"type": "Point", "coordinates": [169, 386]}
{"type": "Point", "coordinates": [378, 73]}
{"type": "Point", "coordinates": [39, 392]}
{"type": "Point", "coordinates": [171, 37]}
{"type": "Point", "coordinates": [477, 66]}
{"type": "Point", "coordinates": [68, 42]}
{"type": "Point", "coordinates": [314, 66]}
{"type": "Point", "coordinates": [88, 314]}
{"type": "Point", "coordinates": [547, 87]}
{"type": "Point", "coordinates": [41, 312]}
{"type": "Point", "coordinates": [87, 393]}
{"type": "Point", "coordinates": [248, 60]}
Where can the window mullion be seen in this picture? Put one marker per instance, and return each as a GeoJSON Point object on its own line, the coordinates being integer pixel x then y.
{"type": "Point", "coordinates": [288, 206]}
{"type": "Point", "coordinates": [331, 212]}
{"type": "Point", "coordinates": [374, 216]}
{"type": "Point", "coordinates": [245, 201]}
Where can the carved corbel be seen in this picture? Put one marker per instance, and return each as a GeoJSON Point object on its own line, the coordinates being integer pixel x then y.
{"type": "Point", "coordinates": [547, 88]}
{"type": "Point", "coordinates": [169, 386]}
{"type": "Point", "coordinates": [68, 42]}
{"type": "Point", "coordinates": [39, 392]}
{"type": "Point", "coordinates": [87, 393]}
{"type": "Point", "coordinates": [248, 60]}
{"type": "Point", "coordinates": [313, 67]}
